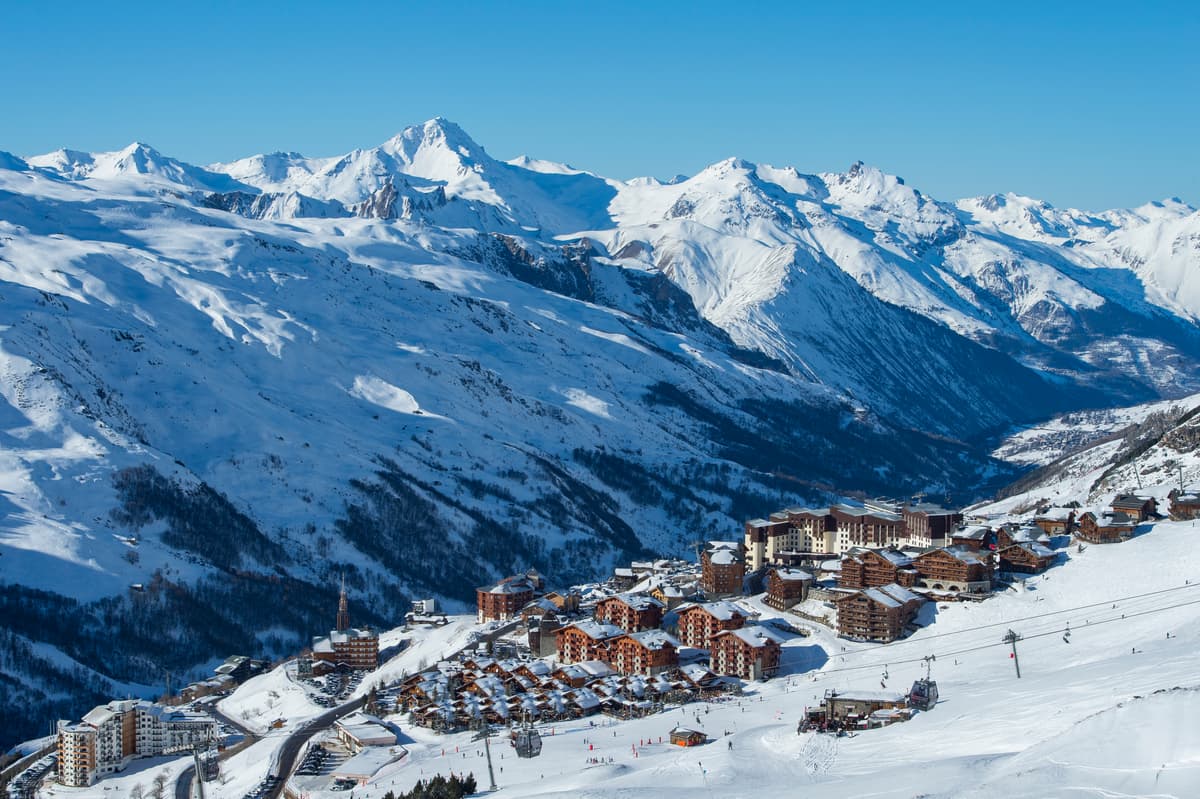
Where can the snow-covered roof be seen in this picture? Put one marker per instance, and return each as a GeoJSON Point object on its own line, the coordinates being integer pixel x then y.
{"type": "Point", "coordinates": [596, 668]}
{"type": "Point", "coordinates": [882, 598]}
{"type": "Point", "coordinates": [368, 762]}
{"type": "Point", "coordinates": [755, 635]}
{"type": "Point", "coordinates": [367, 729]}
{"type": "Point", "coordinates": [723, 557]}
{"type": "Point", "coordinates": [597, 630]}
{"type": "Point", "coordinates": [789, 574]}
{"type": "Point", "coordinates": [638, 601]}
{"type": "Point", "coordinates": [724, 611]}
{"type": "Point", "coordinates": [854, 510]}
{"type": "Point", "coordinates": [509, 585]}
{"type": "Point", "coordinates": [1055, 515]}
{"type": "Point", "coordinates": [866, 695]}
{"type": "Point", "coordinates": [655, 639]}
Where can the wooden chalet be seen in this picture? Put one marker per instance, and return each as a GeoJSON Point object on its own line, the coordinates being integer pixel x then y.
{"type": "Point", "coordinates": [852, 708]}
{"type": "Point", "coordinates": [1105, 528]}
{"type": "Point", "coordinates": [682, 736]}
{"type": "Point", "coordinates": [1026, 558]}
{"type": "Point", "coordinates": [876, 614]}
{"type": "Point", "coordinates": [786, 587]}
{"type": "Point", "coordinates": [1185, 504]}
{"type": "Point", "coordinates": [1055, 521]}
{"type": "Point", "coordinates": [630, 612]}
{"type": "Point", "coordinates": [870, 568]}
{"type": "Point", "coordinates": [671, 595]}
{"type": "Point", "coordinates": [960, 570]}
{"type": "Point", "coordinates": [973, 536]}
{"type": "Point", "coordinates": [1010, 534]}
{"type": "Point", "coordinates": [751, 653]}
{"type": "Point", "coordinates": [586, 640]}
{"type": "Point", "coordinates": [646, 652]}
{"type": "Point", "coordinates": [1136, 507]}
{"type": "Point", "coordinates": [698, 623]}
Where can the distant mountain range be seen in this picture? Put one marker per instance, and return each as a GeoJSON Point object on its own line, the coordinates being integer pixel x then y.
{"type": "Point", "coordinates": [426, 367]}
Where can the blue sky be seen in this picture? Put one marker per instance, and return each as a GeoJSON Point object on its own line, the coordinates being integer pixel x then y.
{"type": "Point", "coordinates": [1091, 105]}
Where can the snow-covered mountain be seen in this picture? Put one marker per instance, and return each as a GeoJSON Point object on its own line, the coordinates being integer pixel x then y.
{"type": "Point", "coordinates": [1089, 457]}
{"type": "Point", "coordinates": [423, 367]}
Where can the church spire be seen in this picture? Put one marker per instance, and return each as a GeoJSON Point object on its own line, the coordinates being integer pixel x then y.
{"type": "Point", "coordinates": [343, 617]}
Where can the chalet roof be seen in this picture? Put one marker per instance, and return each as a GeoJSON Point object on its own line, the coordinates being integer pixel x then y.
{"type": "Point", "coordinates": [1055, 514]}
{"type": "Point", "coordinates": [1129, 501]}
{"type": "Point", "coordinates": [724, 611]}
{"type": "Point", "coordinates": [1115, 519]}
{"type": "Point", "coordinates": [697, 673]}
{"type": "Point", "coordinates": [966, 554]}
{"type": "Point", "coordinates": [866, 695]}
{"type": "Point", "coordinates": [596, 668]}
{"type": "Point", "coordinates": [881, 598]}
{"type": "Point", "coordinates": [595, 630]}
{"type": "Point", "coordinates": [974, 532]}
{"type": "Point", "coordinates": [723, 557]}
{"type": "Point", "coordinates": [636, 601]}
{"type": "Point", "coordinates": [755, 635]}
{"type": "Point", "coordinates": [654, 639]}
{"type": "Point", "coordinates": [892, 556]}
{"type": "Point", "coordinates": [686, 731]}
{"type": "Point", "coordinates": [758, 523]}
{"type": "Point", "coordinates": [891, 595]}
{"type": "Point", "coordinates": [509, 585]}
{"type": "Point", "coordinates": [789, 574]}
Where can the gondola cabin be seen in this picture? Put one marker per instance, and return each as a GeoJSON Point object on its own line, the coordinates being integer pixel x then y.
{"type": "Point", "coordinates": [924, 694]}
{"type": "Point", "coordinates": [527, 741]}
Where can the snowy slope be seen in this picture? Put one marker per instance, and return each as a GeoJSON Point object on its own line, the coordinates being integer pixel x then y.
{"type": "Point", "coordinates": [1148, 449]}
{"type": "Point", "coordinates": [1108, 712]}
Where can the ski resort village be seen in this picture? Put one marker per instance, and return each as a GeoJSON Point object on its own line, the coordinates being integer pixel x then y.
{"type": "Point", "coordinates": [786, 655]}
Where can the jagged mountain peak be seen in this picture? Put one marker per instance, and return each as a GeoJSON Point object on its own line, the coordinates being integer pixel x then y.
{"type": "Point", "coordinates": [134, 163]}
{"type": "Point", "coordinates": [437, 134]}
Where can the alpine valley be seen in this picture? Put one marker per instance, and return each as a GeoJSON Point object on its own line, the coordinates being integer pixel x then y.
{"type": "Point", "coordinates": [422, 368]}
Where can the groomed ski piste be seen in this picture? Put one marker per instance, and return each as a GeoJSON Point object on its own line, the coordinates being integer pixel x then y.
{"type": "Point", "coordinates": [1108, 711]}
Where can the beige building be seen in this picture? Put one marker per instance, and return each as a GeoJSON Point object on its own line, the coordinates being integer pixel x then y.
{"type": "Point", "coordinates": [111, 735]}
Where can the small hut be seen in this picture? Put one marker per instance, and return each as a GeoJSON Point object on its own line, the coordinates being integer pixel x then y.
{"type": "Point", "coordinates": [682, 736]}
